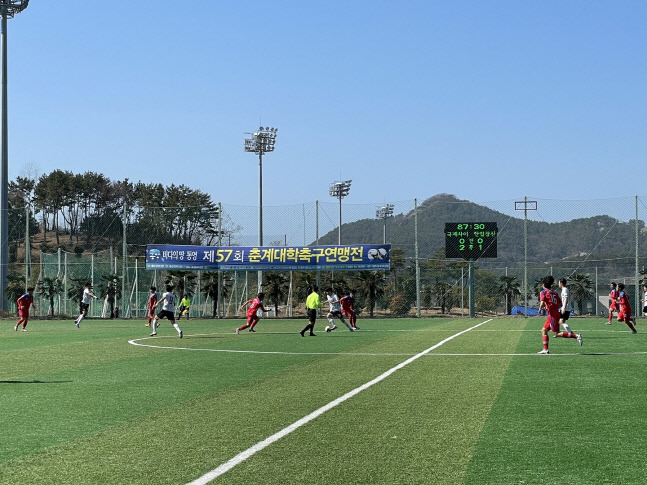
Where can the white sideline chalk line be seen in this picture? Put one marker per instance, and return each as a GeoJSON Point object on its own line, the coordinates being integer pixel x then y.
{"type": "Point", "coordinates": [249, 452]}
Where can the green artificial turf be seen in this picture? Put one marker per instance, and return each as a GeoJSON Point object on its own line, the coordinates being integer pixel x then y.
{"type": "Point", "coordinates": [87, 406]}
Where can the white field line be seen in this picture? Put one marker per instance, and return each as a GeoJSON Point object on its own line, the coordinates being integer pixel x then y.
{"type": "Point", "coordinates": [244, 455]}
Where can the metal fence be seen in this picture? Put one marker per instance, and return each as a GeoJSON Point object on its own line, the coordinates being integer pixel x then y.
{"type": "Point", "coordinates": [589, 242]}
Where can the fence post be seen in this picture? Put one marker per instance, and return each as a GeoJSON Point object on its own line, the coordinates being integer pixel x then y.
{"type": "Point", "coordinates": [525, 256]}
{"type": "Point", "coordinates": [124, 268]}
{"type": "Point", "coordinates": [415, 226]}
{"type": "Point", "coordinates": [317, 239]}
{"type": "Point", "coordinates": [27, 250]}
{"type": "Point", "coordinates": [219, 304]}
{"type": "Point", "coordinates": [638, 306]}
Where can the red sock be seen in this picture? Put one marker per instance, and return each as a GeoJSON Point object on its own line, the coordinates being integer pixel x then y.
{"type": "Point", "coordinates": [243, 327]}
{"type": "Point", "coordinates": [545, 338]}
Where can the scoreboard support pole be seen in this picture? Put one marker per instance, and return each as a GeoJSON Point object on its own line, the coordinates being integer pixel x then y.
{"type": "Point", "coordinates": [472, 286]}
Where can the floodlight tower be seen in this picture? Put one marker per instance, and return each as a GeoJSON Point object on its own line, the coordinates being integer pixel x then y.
{"type": "Point", "coordinates": [261, 142]}
{"type": "Point", "coordinates": [8, 8]}
{"type": "Point", "coordinates": [382, 213]}
{"type": "Point", "coordinates": [340, 190]}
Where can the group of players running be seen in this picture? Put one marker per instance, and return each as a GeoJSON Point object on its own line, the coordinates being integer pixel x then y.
{"type": "Point", "coordinates": [339, 308]}
{"type": "Point", "coordinates": [559, 307]}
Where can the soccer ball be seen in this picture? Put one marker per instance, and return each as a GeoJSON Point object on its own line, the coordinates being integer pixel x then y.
{"type": "Point", "coordinates": [327, 329]}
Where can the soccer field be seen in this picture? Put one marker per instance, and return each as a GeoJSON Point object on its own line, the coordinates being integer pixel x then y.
{"type": "Point", "coordinates": [398, 402]}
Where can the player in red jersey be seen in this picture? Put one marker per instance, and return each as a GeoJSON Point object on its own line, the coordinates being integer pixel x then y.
{"type": "Point", "coordinates": [255, 304]}
{"type": "Point", "coordinates": [152, 303]}
{"type": "Point", "coordinates": [624, 315]}
{"type": "Point", "coordinates": [348, 308]}
{"type": "Point", "coordinates": [551, 300]}
{"type": "Point", "coordinates": [613, 305]}
{"type": "Point", "coordinates": [24, 302]}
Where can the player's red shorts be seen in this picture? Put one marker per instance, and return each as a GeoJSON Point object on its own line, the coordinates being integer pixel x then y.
{"type": "Point", "coordinates": [552, 322]}
{"type": "Point", "coordinates": [350, 313]}
{"type": "Point", "coordinates": [625, 314]}
{"type": "Point", "coordinates": [251, 317]}
{"type": "Point", "coordinates": [613, 307]}
{"type": "Point", "coordinates": [23, 313]}
{"type": "Point", "coordinates": [151, 312]}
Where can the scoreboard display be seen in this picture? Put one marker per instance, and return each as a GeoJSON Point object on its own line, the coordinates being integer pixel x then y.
{"type": "Point", "coordinates": [470, 240]}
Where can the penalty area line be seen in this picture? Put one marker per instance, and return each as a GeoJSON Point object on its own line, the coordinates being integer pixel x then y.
{"type": "Point", "coordinates": [249, 452]}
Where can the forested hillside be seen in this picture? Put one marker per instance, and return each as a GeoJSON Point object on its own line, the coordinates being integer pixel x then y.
{"type": "Point", "coordinates": [600, 237]}
{"type": "Point", "coordinates": [85, 213]}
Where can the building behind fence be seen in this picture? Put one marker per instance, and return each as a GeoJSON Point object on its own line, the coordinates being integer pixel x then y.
{"type": "Point", "coordinates": [421, 282]}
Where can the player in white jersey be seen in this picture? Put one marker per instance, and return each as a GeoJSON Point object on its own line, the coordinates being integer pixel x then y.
{"type": "Point", "coordinates": [85, 304]}
{"type": "Point", "coordinates": [335, 310]}
{"type": "Point", "coordinates": [168, 311]}
{"type": "Point", "coordinates": [567, 305]}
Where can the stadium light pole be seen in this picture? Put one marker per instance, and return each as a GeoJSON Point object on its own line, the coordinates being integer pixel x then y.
{"type": "Point", "coordinates": [382, 213]}
{"type": "Point", "coordinates": [8, 8]}
{"type": "Point", "coordinates": [340, 190]}
{"type": "Point", "coordinates": [261, 142]}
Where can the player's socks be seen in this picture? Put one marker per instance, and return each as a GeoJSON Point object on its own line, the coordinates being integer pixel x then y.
{"type": "Point", "coordinates": [177, 327]}
{"type": "Point", "coordinates": [242, 327]}
{"type": "Point", "coordinates": [332, 322]}
{"type": "Point", "coordinates": [567, 328]}
{"type": "Point", "coordinates": [347, 324]}
{"type": "Point", "coordinates": [545, 339]}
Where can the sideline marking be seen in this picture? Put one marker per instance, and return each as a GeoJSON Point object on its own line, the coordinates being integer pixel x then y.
{"type": "Point", "coordinates": [244, 455]}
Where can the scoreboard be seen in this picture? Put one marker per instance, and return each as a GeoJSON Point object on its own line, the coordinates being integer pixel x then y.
{"type": "Point", "coordinates": [470, 240]}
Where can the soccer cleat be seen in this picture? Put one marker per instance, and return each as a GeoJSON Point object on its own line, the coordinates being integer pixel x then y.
{"type": "Point", "coordinates": [351, 329]}
{"type": "Point", "coordinates": [356, 327]}
{"type": "Point", "coordinates": [545, 351]}
{"type": "Point", "coordinates": [181, 334]}
{"type": "Point", "coordinates": [76, 324]}
{"type": "Point", "coordinates": [608, 323]}
{"type": "Point", "coordinates": [238, 331]}
{"type": "Point", "coordinates": [312, 335]}
{"type": "Point", "coordinates": [16, 328]}
{"type": "Point", "coordinates": [147, 325]}
{"type": "Point", "coordinates": [579, 339]}
{"type": "Point", "coordinates": [24, 329]}
{"type": "Point", "coordinates": [153, 334]}
{"type": "Point", "coordinates": [333, 327]}
{"type": "Point", "coordinates": [302, 334]}
{"type": "Point", "coordinates": [634, 331]}
{"type": "Point", "coordinates": [252, 330]}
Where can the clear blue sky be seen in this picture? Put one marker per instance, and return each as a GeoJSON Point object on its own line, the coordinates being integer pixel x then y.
{"type": "Point", "coordinates": [485, 100]}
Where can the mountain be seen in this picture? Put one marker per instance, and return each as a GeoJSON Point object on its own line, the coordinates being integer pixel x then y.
{"type": "Point", "coordinates": [601, 238]}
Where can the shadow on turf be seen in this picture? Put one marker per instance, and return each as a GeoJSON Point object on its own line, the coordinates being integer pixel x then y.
{"type": "Point", "coordinates": [34, 382]}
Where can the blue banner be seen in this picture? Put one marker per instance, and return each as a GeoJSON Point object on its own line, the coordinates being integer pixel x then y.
{"type": "Point", "coordinates": [269, 258]}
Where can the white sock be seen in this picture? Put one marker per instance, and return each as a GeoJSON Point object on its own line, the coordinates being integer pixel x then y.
{"type": "Point", "coordinates": [78, 320]}
{"type": "Point", "coordinates": [177, 327]}
{"type": "Point", "coordinates": [346, 323]}
{"type": "Point", "coordinates": [155, 325]}
{"type": "Point", "coordinates": [567, 328]}
{"type": "Point", "coordinates": [332, 322]}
